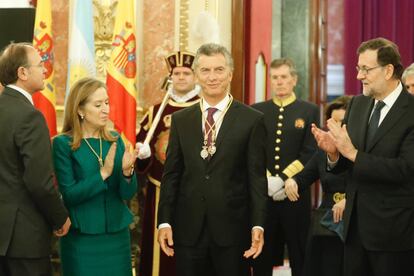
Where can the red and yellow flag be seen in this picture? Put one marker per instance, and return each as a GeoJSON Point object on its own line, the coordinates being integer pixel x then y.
{"type": "Point", "coordinates": [45, 100]}
{"type": "Point", "coordinates": [121, 72]}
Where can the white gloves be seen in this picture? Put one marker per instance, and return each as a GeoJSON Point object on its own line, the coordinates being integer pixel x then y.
{"type": "Point", "coordinates": [280, 195]}
{"type": "Point", "coordinates": [144, 151]}
{"type": "Point", "coordinates": [275, 188]}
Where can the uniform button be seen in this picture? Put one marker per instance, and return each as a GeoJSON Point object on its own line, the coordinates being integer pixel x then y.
{"type": "Point", "coordinates": [203, 198]}
{"type": "Point", "coordinates": [278, 141]}
{"type": "Point", "coordinates": [278, 132]}
{"type": "Point", "coordinates": [280, 117]}
{"type": "Point", "coordinates": [277, 149]}
{"type": "Point", "coordinates": [279, 124]}
{"type": "Point", "coordinates": [207, 177]}
{"type": "Point", "coordinates": [277, 157]}
{"type": "Point", "coordinates": [281, 109]}
{"type": "Point", "coordinates": [277, 167]}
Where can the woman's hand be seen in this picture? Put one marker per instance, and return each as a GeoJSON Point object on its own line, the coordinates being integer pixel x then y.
{"type": "Point", "coordinates": [338, 210]}
{"type": "Point", "coordinates": [128, 160]}
{"type": "Point", "coordinates": [108, 166]}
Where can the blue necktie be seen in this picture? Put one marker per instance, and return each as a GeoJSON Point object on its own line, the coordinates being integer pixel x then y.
{"type": "Point", "coordinates": [374, 122]}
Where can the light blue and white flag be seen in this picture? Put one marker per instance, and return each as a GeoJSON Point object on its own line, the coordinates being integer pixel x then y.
{"type": "Point", "coordinates": [81, 57]}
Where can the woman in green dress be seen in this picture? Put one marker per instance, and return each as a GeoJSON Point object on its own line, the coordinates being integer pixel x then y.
{"type": "Point", "coordinates": [95, 176]}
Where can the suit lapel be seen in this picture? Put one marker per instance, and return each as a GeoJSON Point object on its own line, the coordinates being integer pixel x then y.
{"type": "Point", "coordinates": [195, 122]}
{"type": "Point", "coordinates": [364, 127]}
{"type": "Point", "coordinates": [394, 114]}
{"type": "Point", "coordinates": [228, 120]}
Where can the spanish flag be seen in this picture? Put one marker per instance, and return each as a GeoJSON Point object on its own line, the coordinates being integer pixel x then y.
{"type": "Point", "coordinates": [121, 72]}
{"type": "Point", "coordinates": [45, 100]}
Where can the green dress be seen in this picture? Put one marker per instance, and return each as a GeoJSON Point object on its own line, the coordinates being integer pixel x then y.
{"type": "Point", "coordinates": [98, 242]}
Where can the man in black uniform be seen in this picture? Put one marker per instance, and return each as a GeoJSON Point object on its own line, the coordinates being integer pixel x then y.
{"type": "Point", "coordinates": [290, 145]}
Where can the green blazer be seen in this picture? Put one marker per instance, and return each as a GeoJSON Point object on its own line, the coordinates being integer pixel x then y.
{"type": "Point", "coordinates": [95, 206]}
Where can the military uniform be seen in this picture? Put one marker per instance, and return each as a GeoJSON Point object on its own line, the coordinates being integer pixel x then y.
{"type": "Point", "coordinates": [153, 262]}
{"type": "Point", "coordinates": [290, 144]}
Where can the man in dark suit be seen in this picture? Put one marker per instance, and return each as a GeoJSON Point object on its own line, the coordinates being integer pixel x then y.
{"type": "Point", "coordinates": [289, 146]}
{"type": "Point", "coordinates": [213, 192]}
{"type": "Point", "coordinates": [375, 145]}
{"type": "Point", "coordinates": [30, 206]}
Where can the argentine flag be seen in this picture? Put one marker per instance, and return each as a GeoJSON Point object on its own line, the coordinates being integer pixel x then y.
{"type": "Point", "coordinates": [81, 57]}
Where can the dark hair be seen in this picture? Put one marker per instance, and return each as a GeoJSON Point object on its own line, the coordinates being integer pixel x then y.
{"type": "Point", "coordinates": [339, 103]}
{"type": "Point", "coordinates": [387, 53]}
{"type": "Point", "coordinates": [12, 58]}
{"type": "Point", "coordinates": [211, 49]}
{"type": "Point", "coordinates": [276, 63]}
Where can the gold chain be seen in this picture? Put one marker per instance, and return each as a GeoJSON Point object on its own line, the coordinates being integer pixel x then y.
{"type": "Point", "coordinates": [204, 117]}
{"type": "Point", "coordinates": [94, 152]}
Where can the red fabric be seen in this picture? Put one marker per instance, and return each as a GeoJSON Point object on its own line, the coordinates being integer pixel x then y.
{"type": "Point", "coordinates": [122, 109]}
{"type": "Point", "coordinates": [48, 111]}
{"type": "Point", "coordinates": [367, 19]}
{"type": "Point", "coordinates": [209, 125]}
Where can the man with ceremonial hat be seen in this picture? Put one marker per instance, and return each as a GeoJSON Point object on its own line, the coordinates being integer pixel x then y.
{"type": "Point", "coordinates": [153, 141]}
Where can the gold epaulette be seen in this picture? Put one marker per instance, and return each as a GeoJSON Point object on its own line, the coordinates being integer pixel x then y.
{"type": "Point", "coordinates": [294, 168]}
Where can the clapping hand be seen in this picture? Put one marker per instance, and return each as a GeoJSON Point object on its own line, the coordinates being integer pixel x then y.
{"type": "Point", "coordinates": [108, 166]}
{"type": "Point", "coordinates": [325, 142]}
{"type": "Point", "coordinates": [128, 160]}
{"type": "Point", "coordinates": [341, 139]}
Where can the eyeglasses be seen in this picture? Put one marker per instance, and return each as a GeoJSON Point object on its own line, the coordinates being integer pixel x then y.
{"type": "Point", "coordinates": [365, 70]}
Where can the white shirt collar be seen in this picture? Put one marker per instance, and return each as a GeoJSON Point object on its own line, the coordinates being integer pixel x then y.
{"type": "Point", "coordinates": [186, 97]}
{"type": "Point", "coordinates": [392, 97]}
{"type": "Point", "coordinates": [22, 91]}
{"type": "Point", "coordinates": [221, 106]}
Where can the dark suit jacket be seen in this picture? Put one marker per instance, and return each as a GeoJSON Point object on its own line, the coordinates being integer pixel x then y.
{"type": "Point", "coordinates": [29, 203]}
{"type": "Point", "coordinates": [380, 183]}
{"type": "Point", "coordinates": [226, 194]}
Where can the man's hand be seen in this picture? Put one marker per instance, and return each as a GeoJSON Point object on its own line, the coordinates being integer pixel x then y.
{"type": "Point", "coordinates": [325, 142]}
{"type": "Point", "coordinates": [257, 244]}
{"type": "Point", "coordinates": [165, 239]}
{"type": "Point", "coordinates": [144, 150]}
{"type": "Point", "coordinates": [279, 195]}
{"type": "Point", "coordinates": [291, 189]}
{"type": "Point", "coordinates": [274, 184]}
{"type": "Point", "coordinates": [341, 139]}
{"type": "Point", "coordinates": [64, 229]}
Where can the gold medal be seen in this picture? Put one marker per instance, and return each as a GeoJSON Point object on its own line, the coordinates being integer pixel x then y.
{"type": "Point", "coordinates": [204, 152]}
{"type": "Point", "coordinates": [212, 150]}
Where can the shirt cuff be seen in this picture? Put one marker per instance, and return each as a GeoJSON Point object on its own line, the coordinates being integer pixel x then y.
{"type": "Point", "coordinates": [331, 164]}
{"type": "Point", "coordinates": [258, 227]}
{"type": "Point", "coordinates": [164, 225]}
